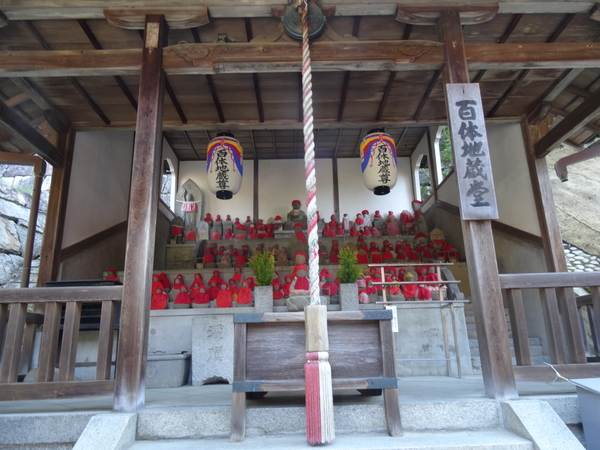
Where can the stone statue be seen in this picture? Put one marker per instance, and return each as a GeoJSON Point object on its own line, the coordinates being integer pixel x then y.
{"type": "Point", "coordinates": [188, 206]}
{"type": "Point", "coordinates": [296, 215]}
{"type": "Point", "coordinates": [421, 225]}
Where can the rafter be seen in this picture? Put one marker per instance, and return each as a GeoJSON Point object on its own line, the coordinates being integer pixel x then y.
{"type": "Point", "coordinates": [253, 145]}
{"type": "Point", "coordinates": [210, 82]}
{"type": "Point", "coordinates": [20, 129]}
{"type": "Point", "coordinates": [346, 82]}
{"type": "Point", "coordinates": [257, 93]}
{"type": "Point", "coordinates": [561, 27]}
{"type": "Point", "coordinates": [274, 143]}
{"type": "Point", "coordinates": [90, 35]}
{"type": "Point", "coordinates": [337, 144]}
{"type": "Point", "coordinates": [78, 87]}
{"type": "Point", "coordinates": [432, 83]}
{"type": "Point", "coordinates": [580, 116]}
{"type": "Point", "coordinates": [189, 141]}
{"type": "Point", "coordinates": [360, 135]}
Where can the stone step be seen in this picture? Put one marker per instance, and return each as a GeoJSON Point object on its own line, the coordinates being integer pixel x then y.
{"type": "Point", "coordinates": [470, 318]}
{"type": "Point", "coordinates": [495, 439]}
{"type": "Point", "coordinates": [214, 422]}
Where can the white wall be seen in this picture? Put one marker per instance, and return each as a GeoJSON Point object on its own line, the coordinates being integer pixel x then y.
{"type": "Point", "coordinates": [514, 194]}
{"type": "Point", "coordinates": [99, 186]}
{"type": "Point", "coordinates": [241, 203]}
{"type": "Point", "coordinates": [355, 197]}
{"type": "Point", "coordinates": [516, 204]}
{"type": "Point", "coordinates": [282, 181]}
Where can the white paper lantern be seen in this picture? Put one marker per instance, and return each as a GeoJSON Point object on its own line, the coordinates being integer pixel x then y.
{"type": "Point", "coordinates": [224, 169]}
{"type": "Point", "coordinates": [378, 162]}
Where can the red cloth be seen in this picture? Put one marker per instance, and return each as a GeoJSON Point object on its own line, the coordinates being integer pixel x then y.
{"type": "Point", "coordinates": [302, 237]}
{"type": "Point", "coordinates": [224, 299]}
{"type": "Point", "coordinates": [176, 231]}
{"type": "Point", "coordinates": [244, 296]}
{"type": "Point", "coordinates": [423, 293]}
{"type": "Point", "coordinates": [183, 298]}
{"type": "Point", "coordinates": [159, 301]}
{"type": "Point", "coordinates": [409, 290]}
{"type": "Point", "coordinates": [215, 235]}
{"type": "Point", "coordinates": [199, 296]}
{"type": "Point", "coordinates": [330, 289]}
{"type": "Point", "coordinates": [164, 281]}
{"type": "Point", "coordinates": [277, 295]}
{"type": "Point", "coordinates": [302, 284]}
{"type": "Point", "coordinates": [213, 292]}
{"type": "Point", "coordinates": [190, 235]}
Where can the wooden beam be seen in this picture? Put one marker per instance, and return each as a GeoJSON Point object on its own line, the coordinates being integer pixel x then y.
{"type": "Point", "coordinates": [562, 114]}
{"type": "Point", "coordinates": [429, 15]}
{"type": "Point", "coordinates": [210, 82]}
{"type": "Point", "coordinates": [432, 83]}
{"type": "Point", "coordinates": [492, 334]}
{"type": "Point", "coordinates": [139, 257]}
{"type": "Point", "coordinates": [16, 100]}
{"type": "Point", "coordinates": [176, 104]}
{"type": "Point", "coordinates": [255, 197]}
{"type": "Point", "coordinates": [580, 116]}
{"type": "Point", "coordinates": [25, 132]}
{"type": "Point", "coordinates": [78, 247]}
{"type": "Point", "coordinates": [285, 57]}
{"type": "Point", "coordinates": [177, 18]}
{"type": "Point", "coordinates": [57, 208]}
{"type": "Point", "coordinates": [343, 96]}
{"type": "Point", "coordinates": [336, 188]}
{"type": "Point", "coordinates": [551, 237]}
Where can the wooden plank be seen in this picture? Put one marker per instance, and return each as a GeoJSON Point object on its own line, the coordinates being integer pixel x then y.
{"type": "Point", "coordinates": [68, 349]}
{"type": "Point", "coordinates": [65, 294]}
{"type": "Point", "coordinates": [519, 327]}
{"type": "Point", "coordinates": [547, 375]}
{"type": "Point", "coordinates": [16, 100]}
{"type": "Point", "coordinates": [554, 333]}
{"type": "Point", "coordinates": [238, 417]}
{"type": "Point", "coordinates": [55, 390]}
{"type": "Point", "coordinates": [429, 15]}
{"type": "Point", "coordinates": [27, 349]}
{"type": "Point", "coordinates": [567, 305]}
{"type": "Point", "coordinates": [298, 385]}
{"type": "Point", "coordinates": [49, 343]}
{"type": "Point", "coordinates": [255, 192]}
{"type": "Point", "coordinates": [177, 18]}
{"type": "Point", "coordinates": [39, 172]}
{"type": "Point", "coordinates": [239, 355]}
{"type": "Point", "coordinates": [450, 32]}
{"type": "Point", "coordinates": [9, 369]}
{"type": "Point", "coordinates": [20, 129]}
{"type": "Point", "coordinates": [57, 208]}
{"type": "Point", "coordinates": [390, 396]}
{"type": "Point", "coordinates": [105, 340]}
{"type": "Point", "coordinates": [139, 257]}
{"type": "Point", "coordinates": [473, 166]}
{"type": "Point", "coordinates": [3, 321]}
{"type": "Point", "coordinates": [584, 113]}
{"type": "Point", "coordinates": [595, 322]}
{"type": "Point", "coordinates": [336, 186]}
{"type": "Point", "coordinates": [549, 280]}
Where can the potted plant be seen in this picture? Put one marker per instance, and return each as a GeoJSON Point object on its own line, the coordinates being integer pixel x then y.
{"type": "Point", "coordinates": [348, 273]}
{"type": "Point", "coordinates": [262, 265]}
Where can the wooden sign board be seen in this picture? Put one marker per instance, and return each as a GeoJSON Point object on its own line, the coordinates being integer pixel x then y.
{"type": "Point", "coordinates": [471, 152]}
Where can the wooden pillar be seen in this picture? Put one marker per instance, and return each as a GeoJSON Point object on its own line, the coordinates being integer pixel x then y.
{"type": "Point", "coordinates": [57, 208]}
{"type": "Point", "coordinates": [39, 173]}
{"type": "Point", "coordinates": [139, 257]}
{"type": "Point", "coordinates": [336, 189]}
{"type": "Point", "coordinates": [255, 205]}
{"type": "Point", "coordinates": [551, 238]}
{"type": "Point", "coordinates": [492, 333]}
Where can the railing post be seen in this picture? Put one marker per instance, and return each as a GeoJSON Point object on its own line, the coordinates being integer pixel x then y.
{"type": "Point", "coordinates": [139, 256]}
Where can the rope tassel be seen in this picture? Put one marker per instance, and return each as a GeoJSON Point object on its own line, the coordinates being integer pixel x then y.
{"type": "Point", "coordinates": [319, 400]}
{"type": "Point", "coordinates": [319, 394]}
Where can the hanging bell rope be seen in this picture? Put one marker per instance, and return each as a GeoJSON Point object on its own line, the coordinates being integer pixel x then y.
{"type": "Point", "coordinates": [319, 395]}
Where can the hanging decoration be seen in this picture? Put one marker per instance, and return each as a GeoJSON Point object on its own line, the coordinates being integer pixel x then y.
{"type": "Point", "coordinates": [224, 169]}
{"type": "Point", "coordinates": [317, 370]}
{"type": "Point", "coordinates": [378, 161]}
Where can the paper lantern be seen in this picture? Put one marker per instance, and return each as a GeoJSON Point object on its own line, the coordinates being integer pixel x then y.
{"type": "Point", "coordinates": [378, 162]}
{"type": "Point", "coordinates": [224, 170]}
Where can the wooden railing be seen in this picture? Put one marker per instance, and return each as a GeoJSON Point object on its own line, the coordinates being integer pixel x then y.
{"type": "Point", "coordinates": [562, 322]}
{"type": "Point", "coordinates": [13, 312]}
{"type": "Point", "coordinates": [589, 307]}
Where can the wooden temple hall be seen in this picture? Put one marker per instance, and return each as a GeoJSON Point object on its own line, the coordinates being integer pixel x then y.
{"type": "Point", "coordinates": [118, 96]}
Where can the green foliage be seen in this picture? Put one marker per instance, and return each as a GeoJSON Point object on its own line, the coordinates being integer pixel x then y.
{"type": "Point", "coordinates": [446, 155]}
{"type": "Point", "coordinates": [349, 270]}
{"type": "Point", "coordinates": [263, 267]}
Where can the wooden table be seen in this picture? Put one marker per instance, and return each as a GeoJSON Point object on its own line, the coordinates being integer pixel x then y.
{"type": "Point", "coordinates": [269, 355]}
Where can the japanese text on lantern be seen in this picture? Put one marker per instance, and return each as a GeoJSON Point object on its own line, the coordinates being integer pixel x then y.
{"type": "Point", "coordinates": [471, 152]}
{"type": "Point", "coordinates": [384, 163]}
{"type": "Point", "coordinates": [222, 172]}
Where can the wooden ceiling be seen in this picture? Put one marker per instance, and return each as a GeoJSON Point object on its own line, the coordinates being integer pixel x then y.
{"type": "Point", "coordinates": [263, 109]}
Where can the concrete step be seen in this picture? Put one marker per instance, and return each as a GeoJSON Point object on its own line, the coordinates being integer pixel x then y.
{"type": "Point", "coordinates": [534, 350]}
{"type": "Point", "coordinates": [470, 318]}
{"type": "Point", "coordinates": [535, 360]}
{"type": "Point", "coordinates": [472, 334]}
{"type": "Point", "coordinates": [214, 422]}
{"type": "Point", "coordinates": [496, 439]}
{"type": "Point", "coordinates": [472, 326]}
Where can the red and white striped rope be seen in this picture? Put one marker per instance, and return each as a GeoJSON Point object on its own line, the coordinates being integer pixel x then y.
{"type": "Point", "coordinates": [309, 163]}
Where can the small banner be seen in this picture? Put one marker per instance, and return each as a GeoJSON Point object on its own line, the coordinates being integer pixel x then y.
{"type": "Point", "coordinates": [471, 152]}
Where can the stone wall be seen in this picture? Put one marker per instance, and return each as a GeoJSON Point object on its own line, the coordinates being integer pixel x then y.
{"type": "Point", "coordinates": [16, 186]}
